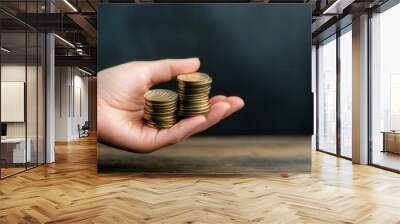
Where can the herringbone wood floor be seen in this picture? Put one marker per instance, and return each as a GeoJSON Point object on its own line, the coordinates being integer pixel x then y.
{"type": "Point", "coordinates": [71, 191]}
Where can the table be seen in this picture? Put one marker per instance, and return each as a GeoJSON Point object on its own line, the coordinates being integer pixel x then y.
{"type": "Point", "coordinates": [16, 147]}
{"type": "Point", "coordinates": [391, 141]}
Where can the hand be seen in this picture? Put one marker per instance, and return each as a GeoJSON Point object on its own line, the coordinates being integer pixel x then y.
{"type": "Point", "coordinates": [120, 100]}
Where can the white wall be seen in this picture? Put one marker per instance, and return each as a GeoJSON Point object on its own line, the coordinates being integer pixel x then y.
{"type": "Point", "coordinates": [70, 109]}
{"type": "Point", "coordinates": [62, 81]}
{"type": "Point", "coordinates": [33, 127]}
{"type": "Point", "coordinates": [80, 102]}
{"type": "Point", "coordinates": [15, 72]}
{"type": "Point", "coordinates": [314, 91]}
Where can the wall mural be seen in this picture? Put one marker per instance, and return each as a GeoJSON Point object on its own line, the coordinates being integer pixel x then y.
{"type": "Point", "coordinates": [237, 50]}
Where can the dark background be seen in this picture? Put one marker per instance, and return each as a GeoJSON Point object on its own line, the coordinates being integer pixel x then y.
{"type": "Point", "coordinates": [261, 52]}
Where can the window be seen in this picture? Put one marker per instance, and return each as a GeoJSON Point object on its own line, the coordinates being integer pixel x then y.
{"type": "Point", "coordinates": [385, 89]}
{"type": "Point", "coordinates": [346, 92]}
{"type": "Point", "coordinates": [22, 89]}
{"type": "Point", "coordinates": [333, 137]}
{"type": "Point", "coordinates": [327, 95]}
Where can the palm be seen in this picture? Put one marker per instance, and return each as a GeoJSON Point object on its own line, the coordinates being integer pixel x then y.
{"type": "Point", "coordinates": [121, 103]}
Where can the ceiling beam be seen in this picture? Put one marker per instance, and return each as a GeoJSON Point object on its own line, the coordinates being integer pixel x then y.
{"type": "Point", "coordinates": [86, 26]}
{"type": "Point", "coordinates": [337, 6]}
{"type": "Point", "coordinates": [81, 61]}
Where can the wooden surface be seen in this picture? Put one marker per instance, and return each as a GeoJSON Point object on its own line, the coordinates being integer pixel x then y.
{"type": "Point", "coordinates": [214, 155]}
{"type": "Point", "coordinates": [71, 191]}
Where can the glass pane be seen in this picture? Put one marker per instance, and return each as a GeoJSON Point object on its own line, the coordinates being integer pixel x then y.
{"type": "Point", "coordinates": [14, 153]}
{"type": "Point", "coordinates": [31, 86]}
{"type": "Point", "coordinates": [346, 93]}
{"type": "Point", "coordinates": [31, 97]}
{"type": "Point", "coordinates": [41, 98]}
{"type": "Point", "coordinates": [327, 96]}
{"type": "Point", "coordinates": [22, 89]}
{"type": "Point", "coordinates": [386, 88]}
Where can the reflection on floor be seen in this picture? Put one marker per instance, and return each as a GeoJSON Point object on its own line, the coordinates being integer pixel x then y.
{"type": "Point", "coordinates": [215, 155]}
{"type": "Point", "coordinates": [386, 159]}
{"type": "Point", "coordinates": [71, 191]}
{"type": "Point", "coordinates": [11, 169]}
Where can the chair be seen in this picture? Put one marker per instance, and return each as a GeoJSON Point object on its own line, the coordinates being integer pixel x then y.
{"type": "Point", "coordinates": [84, 130]}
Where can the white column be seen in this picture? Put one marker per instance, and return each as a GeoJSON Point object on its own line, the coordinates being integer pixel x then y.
{"type": "Point", "coordinates": [62, 103]}
{"type": "Point", "coordinates": [314, 91]}
{"type": "Point", "coordinates": [360, 90]}
{"type": "Point", "coordinates": [50, 99]}
{"type": "Point", "coordinates": [50, 92]}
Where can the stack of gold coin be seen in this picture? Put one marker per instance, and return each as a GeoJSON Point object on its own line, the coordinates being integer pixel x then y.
{"type": "Point", "coordinates": [194, 91]}
{"type": "Point", "coordinates": [160, 108]}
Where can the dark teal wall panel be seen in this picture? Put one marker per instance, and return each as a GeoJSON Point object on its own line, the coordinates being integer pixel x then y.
{"type": "Point", "coordinates": [261, 52]}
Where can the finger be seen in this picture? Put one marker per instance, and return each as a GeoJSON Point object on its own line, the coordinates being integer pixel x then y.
{"type": "Point", "coordinates": [216, 99]}
{"type": "Point", "coordinates": [236, 103]}
{"type": "Point", "coordinates": [189, 126]}
{"type": "Point", "coordinates": [216, 114]}
{"type": "Point", "coordinates": [167, 69]}
{"type": "Point", "coordinates": [179, 131]}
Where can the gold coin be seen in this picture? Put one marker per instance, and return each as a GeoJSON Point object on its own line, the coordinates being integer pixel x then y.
{"type": "Point", "coordinates": [160, 119]}
{"type": "Point", "coordinates": [194, 97]}
{"type": "Point", "coordinates": [161, 123]}
{"type": "Point", "coordinates": [159, 126]}
{"type": "Point", "coordinates": [195, 106]}
{"type": "Point", "coordinates": [156, 120]}
{"type": "Point", "coordinates": [194, 111]}
{"type": "Point", "coordinates": [182, 86]}
{"type": "Point", "coordinates": [191, 115]}
{"type": "Point", "coordinates": [193, 84]}
{"type": "Point", "coordinates": [161, 96]}
{"type": "Point", "coordinates": [162, 105]}
{"type": "Point", "coordinates": [158, 113]}
{"type": "Point", "coordinates": [195, 78]}
{"type": "Point", "coordinates": [194, 94]}
{"type": "Point", "coordinates": [193, 102]}
{"type": "Point", "coordinates": [163, 108]}
{"type": "Point", "coordinates": [202, 95]}
{"type": "Point", "coordinates": [159, 109]}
